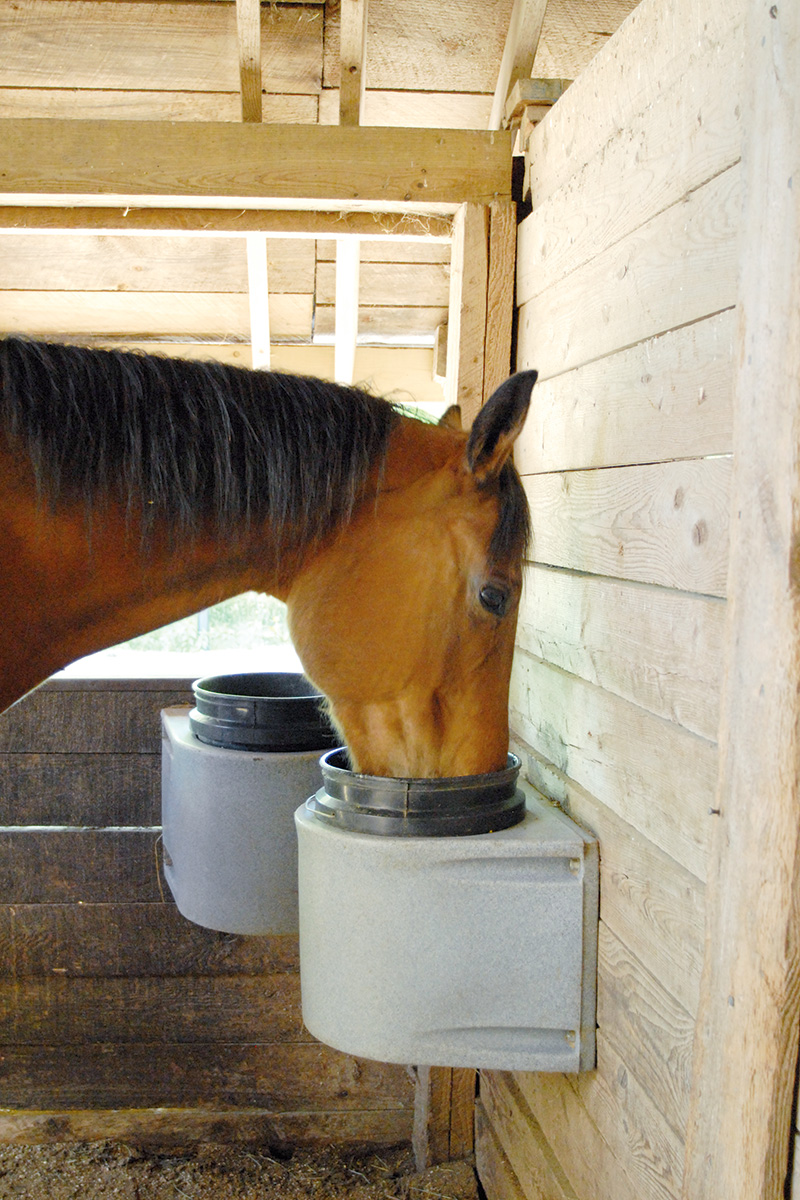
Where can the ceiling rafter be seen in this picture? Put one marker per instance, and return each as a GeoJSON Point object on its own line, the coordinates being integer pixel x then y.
{"type": "Point", "coordinates": [353, 56]}
{"type": "Point", "coordinates": [522, 42]}
{"type": "Point", "coordinates": [248, 35]}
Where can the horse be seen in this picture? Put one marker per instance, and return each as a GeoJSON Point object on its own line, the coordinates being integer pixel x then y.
{"type": "Point", "coordinates": [137, 489]}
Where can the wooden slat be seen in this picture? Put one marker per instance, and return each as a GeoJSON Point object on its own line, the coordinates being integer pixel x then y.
{"type": "Point", "coordinates": [396, 251]}
{"type": "Point", "coordinates": [347, 290]}
{"type": "Point", "coordinates": [613, 89]}
{"type": "Point", "coordinates": [500, 294]}
{"type": "Point", "coordinates": [80, 789]}
{"type": "Point", "coordinates": [668, 397]}
{"type": "Point", "coordinates": [272, 1076]}
{"type": "Point", "coordinates": [216, 222]}
{"type": "Point", "coordinates": [656, 647]}
{"type": "Point", "coordinates": [676, 268]}
{"type": "Point", "coordinates": [248, 37]}
{"type": "Point", "coordinates": [390, 283]}
{"type": "Point", "coordinates": [258, 288]}
{"type": "Point", "coordinates": [137, 105]}
{"type": "Point", "coordinates": [353, 66]}
{"type": "Point", "coordinates": [536, 1170]}
{"type": "Point", "coordinates": [215, 159]}
{"type": "Point", "coordinates": [384, 319]}
{"type": "Point", "coordinates": [647, 1027]}
{"type": "Point", "coordinates": [118, 940]}
{"type": "Point", "coordinates": [88, 721]}
{"type": "Point", "coordinates": [651, 903]}
{"type": "Point", "coordinates": [740, 1127]}
{"type": "Point", "coordinates": [182, 1126]}
{"type": "Point", "coordinates": [665, 524]}
{"type": "Point", "coordinates": [466, 321]}
{"type": "Point", "coordinates": [145, 46]}
{"type": "Point", "coordinates": [687, 136]}
{"type": "Point", "coordinates": [651, 773]}
{"type": "Point", "coordinates": [213, 315]}
{"type": "Point", "coordinates": [431, 1135]}
{"type": "Point", "coordinates": [632, 1127]}
{"type": "Point", "coordinates": [75, 1012]}
{"type": "Point", "coordinates": [80, 867]}
{"type": "Point", "coordinates": [492, 1165]}
{"type": "Point", "coordinates": [519, 52]}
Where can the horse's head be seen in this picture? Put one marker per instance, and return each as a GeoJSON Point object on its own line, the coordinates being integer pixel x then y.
{"type": "Point", "coordinates": [406, 617]}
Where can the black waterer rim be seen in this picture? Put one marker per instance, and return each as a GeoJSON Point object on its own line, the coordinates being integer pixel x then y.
{"type": "Point", "coordinates": [457, 806]}
{"type": "Point", "coordinates": [277, 711]}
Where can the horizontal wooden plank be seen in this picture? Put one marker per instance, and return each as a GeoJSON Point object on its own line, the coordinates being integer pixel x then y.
{"type": "Point", "coordinates": [631, 1125]}
{"type": "Point", "coordinates": [88, 721]}
{"type": "Point", "coordinates": [61, 1011]}
{"type": "Point", "coordinates": [154, 314]}
{"type": "Point", "coordinates": [270, 1129]}
{"type": "Point", "coordinates": [668, 397]}
{"type": "Point", "coordinates": [133, 104]}
{"type": "Point", "coordinates": [494, 1170]}
{"type": "Point", "coordinates": [572, 35]}
{"type": "Point", "coordinates": [80, 789]}
{"type": "Point", "coordinates": [80, 867]}
{"type": "Point", "coordinates": [651, 903]}
{"type": "Point", "coordinates": [654, 775]}
{"type": "Point", "coordinates": [83, 263]}
{"type": "Point", "coordinates": [678, 267]}
{"type": "Point", "coordinates": [648, 1029]}
{"type": "Point", "coordinates": [666, 523]}
{"type": "Point", "coordinates": [591, 1166]}
{"type": "Point", "coordinates": [396, 251]}
{"type": "Point", "coordinates": [384, 320]}
{"type": "Point", "coordinates": [118, 940]}
{"type": "Point", "coordinates": [415, 110]}
{"type": "Point", "coordinates": [214, 222]}
{"type": "Point", "coordinates": [688, 135]}
{"type": "Point", "coordinates": [613, 89]}
{"type": "Point", "coordinates": [659, 648]}
{"type": "Point", "coordinates": [396, 283]}
{"type": "Point", "coordinates": [519, 1138]}
{"type": "Point", "coordinates": [154, 46]}
{"type": "Point", "coordinates": [217, 159]}
{"type": "Point", "coordinates": [276, 1076]}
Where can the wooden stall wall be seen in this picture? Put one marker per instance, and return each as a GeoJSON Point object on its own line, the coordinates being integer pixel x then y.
{"type": "Point", "coordinates": [626, 286]}
{"type": "Point", "coordinates": [118, 1017]}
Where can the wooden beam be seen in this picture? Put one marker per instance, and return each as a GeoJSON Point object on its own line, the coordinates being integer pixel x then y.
{"type": "Point", "coordinates": [353, 58]}
{"type": "Point", "coordinates": [222, 222]}
{"type": "Point", "coordinates": [347, 272]}
{"type": "Point", "coordinates": [258, 292]}
{"type": "Point", "coordinates": [500, 294]}
{"type": "Point", "coordinates": [745, 1050]}
{"type": "Point", "coordinates": [248, 35]}
{"type": "Point", "coordinates": [522, 41]}
{"type": "Point", "coordinates": [444, 1113]}
{"type": "Point", "coordinates": [223, 163]}
{"type": "Point", "coordinates": [466, 322]}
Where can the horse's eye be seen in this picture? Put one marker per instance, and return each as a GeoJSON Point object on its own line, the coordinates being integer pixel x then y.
{"type": "Point", "coordinates": [494, 599]}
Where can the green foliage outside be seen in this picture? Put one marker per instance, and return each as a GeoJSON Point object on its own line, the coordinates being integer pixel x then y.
{"type": "Point", "coordinates": [251, 619]}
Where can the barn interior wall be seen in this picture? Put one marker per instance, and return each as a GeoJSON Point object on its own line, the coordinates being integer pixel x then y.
{"type": "Point", "coordinates": [118, 1017]}
{"type": "Point", "coordinates": [627, 287]}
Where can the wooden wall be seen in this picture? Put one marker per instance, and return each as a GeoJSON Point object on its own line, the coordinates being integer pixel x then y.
{"type": "Point", "coordinates": [626, 286]}
{"type": "Point", "coordinates": [118, 1017]}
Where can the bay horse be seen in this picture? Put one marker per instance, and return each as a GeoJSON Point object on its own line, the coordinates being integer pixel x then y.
{"type": "Point", "coordinates": [136, 489]}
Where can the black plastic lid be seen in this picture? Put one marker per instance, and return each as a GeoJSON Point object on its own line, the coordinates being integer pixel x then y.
{"type": "Point", "coordinates": [273, 711]}
{"type": "Point", "coordinates": [464, 804]}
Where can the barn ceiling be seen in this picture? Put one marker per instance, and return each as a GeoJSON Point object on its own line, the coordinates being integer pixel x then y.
{"type": "Point", "coordinates": [423, 64]}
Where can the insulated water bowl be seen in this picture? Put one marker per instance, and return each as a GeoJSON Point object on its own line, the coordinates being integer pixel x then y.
{"type": "Point", "coordinates": [276, 711]}
{"type": "Point", "coordinates": [462, 805]}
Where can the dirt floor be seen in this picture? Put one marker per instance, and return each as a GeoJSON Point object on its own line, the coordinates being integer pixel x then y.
{"type": "Point", "coordinates": [85, 1171]}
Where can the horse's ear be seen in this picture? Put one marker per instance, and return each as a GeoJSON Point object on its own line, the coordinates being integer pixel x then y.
{"type": "Point", "coordinates": [452, 418]}
{"type": "Point", "coordinates": [498, 425]}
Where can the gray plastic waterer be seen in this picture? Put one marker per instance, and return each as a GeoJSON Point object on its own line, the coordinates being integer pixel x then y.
{"type": "Point", "coordinates": [447, 922]}
{"type": "Point", "coordinates": [234, 770]}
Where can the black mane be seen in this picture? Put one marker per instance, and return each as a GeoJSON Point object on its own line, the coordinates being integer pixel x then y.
{"type": "Point", "coordinates": [191, 442]}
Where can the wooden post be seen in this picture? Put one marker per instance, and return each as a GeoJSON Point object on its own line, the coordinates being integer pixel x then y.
{"type": "Point", "coordinates": [746, 1041]}
{"type": "Point", "coordinates": [500, 294]}
{"type": "Point", "coordinates": [466, 322]}
{"type": "Point", "coordinates": [353, 54]}
{"type": "Point", "coordinates": [248, 32]}
{"type": "Point", "coordinates": [522, 41]}
{"type": "Point", "coordinates": [444, 1114]}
